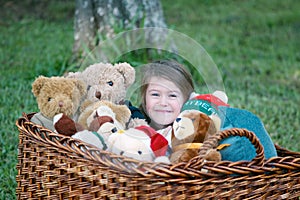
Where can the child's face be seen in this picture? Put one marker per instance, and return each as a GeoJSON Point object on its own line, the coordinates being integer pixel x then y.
{"type": "Point", "coordinates": [163, 101]}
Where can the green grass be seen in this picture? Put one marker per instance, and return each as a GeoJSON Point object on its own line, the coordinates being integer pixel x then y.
{"type": "Point", "coordinates": [255, 44]}
{"type": "Point", "coordinates": [30, 46]}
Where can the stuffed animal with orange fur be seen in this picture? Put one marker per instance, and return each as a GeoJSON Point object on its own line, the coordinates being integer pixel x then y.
{"type": "Point", "coordinates": [190, 129]}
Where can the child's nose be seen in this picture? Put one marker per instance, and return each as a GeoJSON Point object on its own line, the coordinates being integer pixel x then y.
{"type": "Point", "coordinates": [163, 100]}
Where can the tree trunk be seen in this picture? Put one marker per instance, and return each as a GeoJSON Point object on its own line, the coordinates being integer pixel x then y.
{"type": "Point", "coordinates": [96, 20]}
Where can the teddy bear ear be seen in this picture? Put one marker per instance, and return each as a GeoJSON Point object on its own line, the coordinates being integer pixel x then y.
{"type": "Point", "coordinates": [81, 86]}
{"type": "Point", "coordinates": [38, 84]}
{"type": "Point", "coordinates": [128, 72]}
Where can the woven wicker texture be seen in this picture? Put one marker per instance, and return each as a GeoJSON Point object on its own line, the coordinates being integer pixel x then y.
{"type": "Point", "coordinates": [53, 166]}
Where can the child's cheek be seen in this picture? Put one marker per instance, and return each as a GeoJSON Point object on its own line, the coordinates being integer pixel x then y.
{"type": "Point", "coordinates": [148, 108]}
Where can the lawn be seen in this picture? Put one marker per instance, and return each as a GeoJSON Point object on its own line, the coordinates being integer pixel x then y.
{"type": "Point", "coordinates": [255, 45]}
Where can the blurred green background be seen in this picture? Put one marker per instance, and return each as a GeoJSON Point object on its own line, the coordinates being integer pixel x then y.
{"type": "Point", "coordinates": [254, 43]}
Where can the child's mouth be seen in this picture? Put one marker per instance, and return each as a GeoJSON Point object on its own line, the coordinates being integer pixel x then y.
{"type": "Point", "coordinates": [164, 111]}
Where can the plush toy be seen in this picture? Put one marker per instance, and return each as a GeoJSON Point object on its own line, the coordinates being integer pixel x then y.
{"type": "Point", "coordinates": [120, 113]}
{"type": "Point", "coordinates": [109, 82]}
{"type": "Point", "coordinates": [240, 147]}
{"type": "Point", "coordinates": [190, 129]}
{"type": "Point", "coordinates": [142, 143]}
{"type": "Point", "coordinates": [65, 125]}
{"type": "Point", "coordinates": [100, 124]}
{"type": "Point", "coordinates": [106, 81]}
{"type": "Point", "coordinates": [207, 103]}
{"type": "Point", "coordinates": [56, 95]}
{"type": "Point", "coordinates": [107, 133]}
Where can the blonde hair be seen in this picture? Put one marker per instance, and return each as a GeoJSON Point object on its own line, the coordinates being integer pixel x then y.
{"type": "Point", "coordinates": [170, 70]}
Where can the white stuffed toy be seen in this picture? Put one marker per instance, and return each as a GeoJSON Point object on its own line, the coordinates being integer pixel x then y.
{"type": "Point", "coordinates": [142, 143]}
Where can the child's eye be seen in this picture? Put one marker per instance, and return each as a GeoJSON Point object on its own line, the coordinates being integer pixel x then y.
{"type": "Point", "coordinates": [173, 95]}
{"type": "Point", "coordinates": [110, 83]}
{"type": "Point", "coordinates": [155, 94]}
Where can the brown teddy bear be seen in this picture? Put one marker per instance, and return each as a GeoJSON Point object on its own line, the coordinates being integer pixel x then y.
{"type": "Point", "coordinates": [190, 129]}
{"type": "Point", "coordinates": [56, 95]}
{"type": "Point", "coordinates": [106, 81]}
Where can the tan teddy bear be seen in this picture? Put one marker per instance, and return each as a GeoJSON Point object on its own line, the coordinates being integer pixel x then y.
{"type": "Point", "coordinates": [56, 95]}
{"type": "Point", "coordinates": [120, 112]}
{"type": "Point", "coordinates": [106, 81]}
{"type": "Point", "coordinates": [100, 123]}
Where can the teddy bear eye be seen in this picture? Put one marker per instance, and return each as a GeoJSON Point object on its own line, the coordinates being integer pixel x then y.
{"type": "Point", "coordinates": [88, 87]}
{"type": "Point", "coordinates": [49, 98]}
{"type": "Point", "coordinates": [110, 83]}
{"type": "Point", "coordinates": [140, 152]}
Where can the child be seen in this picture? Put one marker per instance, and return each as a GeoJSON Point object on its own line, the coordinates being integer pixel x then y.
{"type": "Point", "coordinates": [165, 86]}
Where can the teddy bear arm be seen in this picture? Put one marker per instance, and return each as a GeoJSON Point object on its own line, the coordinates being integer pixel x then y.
{"type": "Point", "coordinates": [122, 114]}
{"type": "Point", "coordinates": [39, 119]}
{"type": "Point", "coordinates": [91, 138]}
{"type": "Point", "coordinates": [213, 155]}
{"type": "Point", "coordinates": [183, 155]}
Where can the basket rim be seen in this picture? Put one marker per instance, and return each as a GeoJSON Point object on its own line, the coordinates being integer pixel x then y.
{"type": "Point", "coordinates": [43, 136]}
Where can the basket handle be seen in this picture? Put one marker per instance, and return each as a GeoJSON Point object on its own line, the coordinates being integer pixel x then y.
{"type": "Point", "coordinates": [213, 142]}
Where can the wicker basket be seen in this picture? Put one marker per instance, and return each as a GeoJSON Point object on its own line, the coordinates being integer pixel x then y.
{"type": "Point", "coordinates": [52, 166]}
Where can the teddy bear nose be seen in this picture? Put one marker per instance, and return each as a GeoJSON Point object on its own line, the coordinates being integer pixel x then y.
{"type": "Point", "coordinates": [61, 104]}
{"type": "Point", "coordinates": [98, 95]}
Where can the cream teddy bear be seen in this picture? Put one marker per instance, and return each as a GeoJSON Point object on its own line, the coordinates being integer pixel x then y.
{"type": "Point", "coordinates": [120, 112]}
{"type": "Point", "coordinates": [106, 81]}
